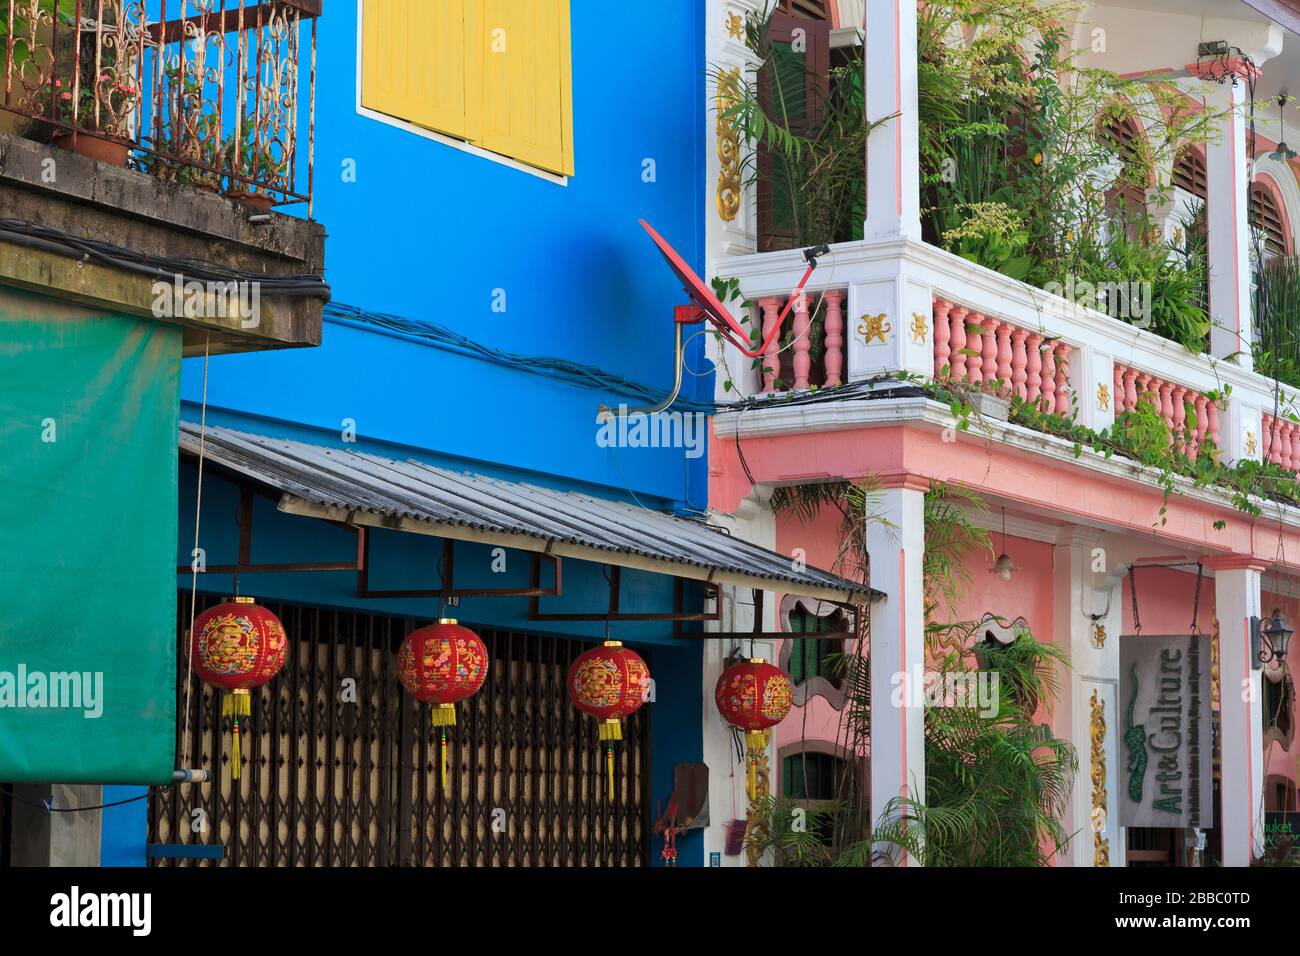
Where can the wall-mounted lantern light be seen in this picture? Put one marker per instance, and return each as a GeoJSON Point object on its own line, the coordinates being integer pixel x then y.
{"type": "Point", "coordinates": [1270, 640]}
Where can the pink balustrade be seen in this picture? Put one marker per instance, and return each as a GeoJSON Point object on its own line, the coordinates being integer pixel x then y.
{"type": "Point", "coordinates": [1282, 442]}
{"type": "Point", "coordinates": [1173, 402]}
{"type": "Point", "coordinates": [994, 355]}
{"type": "Point", "coordinates": [792, 364]}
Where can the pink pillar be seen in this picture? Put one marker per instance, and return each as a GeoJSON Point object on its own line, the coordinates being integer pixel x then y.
{"type": "Point", "coordinates": [1117, 387]}
{"type": "Point", "coordinates": [1274, 439]}
{"type": "Point", "coordinates": [1202, 427]}
{"type": "Point", "coordinates": [834, 357]}
{"type": "Point", "coordinates": [1033, 367]}
{"type": "Point", "coordinates": [1063, 378]}
{"type": "Point", "coordinates": [1048, 404]}
{"type": "Point", "coordinates": [975, 345]}
{"type": "Point", "coordinates": [1140, 387]}
{"type": "Point", "coordinates": [1018, 361]}
{"type": "Point", "coordinates": [1130, 389]}
{"type": "Point", "coordinates": [1288, 437]}
{"type": "Point", "coordinates": [1212, 423]}
{"type": "Point", "coordinates": [771, 307]}
{"type": "Point", "coordinates": [990, 351]}
{"type": "Point", "coordinates": [942, 334]}
{"type": "Point", "coordinates": [1180, 417]}
{"type": "Point", "coordinates": [802, 361]}
{"type": "Point", "coordinates": [1295, 447]}
{"type": "Point", "coordinates": [1167, 407]}
{"type": "Point", "coordinates": [958, 342]}
{"type": "Point", "coordinates": [1004, 357]}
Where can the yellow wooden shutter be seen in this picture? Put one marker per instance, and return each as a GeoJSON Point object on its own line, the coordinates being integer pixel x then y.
{"type": "Point", "coordinates": [413, 62]}
{"type": "Point", "coordinates": [519, 80]}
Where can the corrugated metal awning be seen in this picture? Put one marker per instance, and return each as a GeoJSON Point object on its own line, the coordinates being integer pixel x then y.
{"type": "Point", "coordinates": [347, 485]}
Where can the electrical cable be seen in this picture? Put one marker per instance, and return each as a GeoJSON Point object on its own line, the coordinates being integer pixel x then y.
{"type": "Point", "coordinates": [30, 235]}
{"type": "Point", "coordinates": [586, 376]}
{"type": "Point", "coordinates": [52, 809]}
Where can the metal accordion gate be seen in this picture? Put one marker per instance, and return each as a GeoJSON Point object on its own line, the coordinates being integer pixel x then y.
{"type": "Point", "coordinates": [341, 766]}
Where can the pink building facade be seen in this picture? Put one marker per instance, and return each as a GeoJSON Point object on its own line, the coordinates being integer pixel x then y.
{"type": "Point", "coordinates": [1080, 526]}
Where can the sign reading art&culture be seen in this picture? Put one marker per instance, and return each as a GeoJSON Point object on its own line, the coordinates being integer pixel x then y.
{"type": "Point", "coordinates": [1166, 766]}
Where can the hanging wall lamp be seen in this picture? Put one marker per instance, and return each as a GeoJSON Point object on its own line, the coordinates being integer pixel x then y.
{"type": "Point", "coordinates": [1004, 567]}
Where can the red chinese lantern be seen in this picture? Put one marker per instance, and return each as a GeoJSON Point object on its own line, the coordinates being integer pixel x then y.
{"type": "Point", "coordinates": [237, 646]}
{"type": "Point", "coordinates": [753, 695]}
{"type": "Point", "coordinates": [441, 664]}
{"type": "Point", "coordinates": [609, 682]}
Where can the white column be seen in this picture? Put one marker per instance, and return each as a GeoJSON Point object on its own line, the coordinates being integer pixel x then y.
{"type": "Point", "coordinates": [1241, 787]}
{"type": "Point", "coordinates": [753, 521]}
{"type": "Point", "coordinates": [1227, 173]}
{"type": "Point", "coordinates": [1086, 581]}
{"type": "Point", "coordinates": [895, 545]}
{"type": "Point", "coordinates": [893, 150]}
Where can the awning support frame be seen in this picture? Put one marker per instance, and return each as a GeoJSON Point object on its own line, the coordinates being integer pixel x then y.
{"type": "Point", "coordinates": [757, 634]}
{"type": "Point", "coordinates": [447, 590]}
{"type": "Point", "coordinates": [713, 592]}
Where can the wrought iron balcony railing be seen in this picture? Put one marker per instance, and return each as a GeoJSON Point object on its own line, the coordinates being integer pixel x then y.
{"type": "Point", "coordinates": [202, 92]}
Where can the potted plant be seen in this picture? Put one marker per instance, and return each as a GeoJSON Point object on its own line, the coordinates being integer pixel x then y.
{"type": "Point", "coordinates": [246, 158]}
{"type": "Point", "coordinates": [94, 118]}
{"type": "Point", "coordinates": [99, 137]}
{"type": "Point", "coordinates": [190, 153]}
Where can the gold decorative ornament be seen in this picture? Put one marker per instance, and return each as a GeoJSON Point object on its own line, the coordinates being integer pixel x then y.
{"type": "Point", "coordinates": [762, 790]}
{"type": "Point", "coordinates": [735, 26]}
{"type": "Point", "coordinates": [729, 173]}
{"type": "Point", "coordinates": [874, 327]}
{"type": "Point", "coordinates": [920, 328]}
{"type": "Point", "coordinates": [1098, 635]}
{"type": "Point", "coordinates": [1251, 443]}
{"type": "Point", "coordinates": [1100, 845]}
{"type": "Point", "coordinates": [1103, 396]}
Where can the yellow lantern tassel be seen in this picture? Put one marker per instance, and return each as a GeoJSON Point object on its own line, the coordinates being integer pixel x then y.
{"type": "Point", "coordinates": [609, 769]}
{"type": "Point", "coordinates": [609, 731]}
{"type": "Point", "coordinates": [444, 716]}
{"type": "Point", "coordinates": [757, 743]}
{"type": "Point", "coordinates": [236, 704]}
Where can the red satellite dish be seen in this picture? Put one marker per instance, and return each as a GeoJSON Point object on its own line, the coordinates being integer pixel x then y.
{"type": "Point", "coordinates": [705, 305]}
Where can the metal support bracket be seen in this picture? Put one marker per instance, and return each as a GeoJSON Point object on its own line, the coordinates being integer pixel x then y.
{"type": "Point", "coordinates": [712, 592]}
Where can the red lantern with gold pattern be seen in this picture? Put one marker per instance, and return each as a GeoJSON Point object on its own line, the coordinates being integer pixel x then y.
{"type": "Point", "coordinates": [753, 695]}
{"type": "Point", "coordinates": [440, 665]}
{"type": "Point", "coordinates": [609, 682]}
{"type": "Point", "coordinates": [237, 646]}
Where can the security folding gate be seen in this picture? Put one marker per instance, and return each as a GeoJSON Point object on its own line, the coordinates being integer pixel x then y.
{"type": "Point", "coordinates": [341, 766]}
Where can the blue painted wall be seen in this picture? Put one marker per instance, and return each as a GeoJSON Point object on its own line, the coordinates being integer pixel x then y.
{"type": "Point", "coordinates": [429, 232]}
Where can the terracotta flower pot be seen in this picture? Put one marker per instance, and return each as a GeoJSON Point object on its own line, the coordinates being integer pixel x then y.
{"type": "Point", "coordinates": [259, 201]}
{"type": "Point", "coordinates": [101, 148]}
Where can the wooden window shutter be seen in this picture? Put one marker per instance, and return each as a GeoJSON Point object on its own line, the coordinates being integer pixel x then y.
{"type": "Point", "coordinates": [519, 80]}
{"type": "Point", "coordinates": [1190, 174]}
{"type": "Point", "coordinates": [805, 113]}
{"type": "Point", "coordinates": [1266, 217]}
{"type": "Point", "coordinates": [413, 60]}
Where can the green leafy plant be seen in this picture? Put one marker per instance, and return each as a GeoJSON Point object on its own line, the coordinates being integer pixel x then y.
{"type": "Point", "coordinates": [1277, 351]}
{"type": "Point", "coordinates": [793, 835]}
{"type": "Point", "coordinates": [995, 787]}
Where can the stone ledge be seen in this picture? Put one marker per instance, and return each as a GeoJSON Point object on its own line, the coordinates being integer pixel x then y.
{"type": "Point", "coordinates": [133, 210]}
